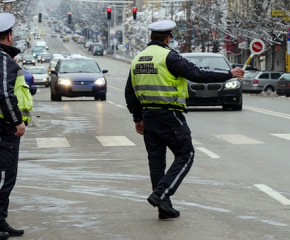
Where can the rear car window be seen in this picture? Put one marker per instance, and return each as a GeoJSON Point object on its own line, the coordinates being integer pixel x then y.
{"type": "Point", "coordinates": [275, 75]}
{"type": "Point", "coordinates": [264, 76]}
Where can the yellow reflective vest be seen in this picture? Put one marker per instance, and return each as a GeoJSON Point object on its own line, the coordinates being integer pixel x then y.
{"type": "Point", "coordinates": [24, 97]}
{"type": "Point", "coordinates": [154, 84]}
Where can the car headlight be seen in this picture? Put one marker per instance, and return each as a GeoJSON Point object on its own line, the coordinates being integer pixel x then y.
{"type": "Point", "coordinates": [64, 81]}
{"type": "Point", "coordinates": [100, 81]}
{"type": "Point", "coordinates": [232, 84]}
{"type": "Point", "coordinates": [34, 54]}
{"type": "Point", "coordinates": [33, 61]}
{"type": "Point", "coordinates": [45, 79]}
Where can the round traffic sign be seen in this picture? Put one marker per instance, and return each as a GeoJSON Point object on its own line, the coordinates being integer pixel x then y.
{"type": "Point", "coordinates": [257, 46]}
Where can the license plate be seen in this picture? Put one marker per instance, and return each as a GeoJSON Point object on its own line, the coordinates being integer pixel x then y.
{"type": "Point", "coordinates": [82, 88]}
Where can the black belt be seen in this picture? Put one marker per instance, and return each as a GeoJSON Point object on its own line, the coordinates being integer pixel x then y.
{"type": "Point", "coordinates": [163, 106]}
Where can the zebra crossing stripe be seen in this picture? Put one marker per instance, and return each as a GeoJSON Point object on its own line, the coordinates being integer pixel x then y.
{"type": "Point", "coordinates": [284, 136]}
{"type": "Point", "coordinates": [207, 152]}
{"type": "Point", "coordinates": [269, 191]}
{"type": "Point", "coordinates": [55, 142]}
{"type": "Point", "coordinates": [238, 139]}
{"type": "Point", "coordinates": [113, 141]}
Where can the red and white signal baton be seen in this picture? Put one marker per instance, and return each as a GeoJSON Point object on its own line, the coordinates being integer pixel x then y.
{"type": "Point", "coordinates": [257, 46]}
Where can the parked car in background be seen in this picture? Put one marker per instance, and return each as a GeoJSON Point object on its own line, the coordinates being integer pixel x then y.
{"type": "Point", "coordinates": [28, 59]}
{"type": "Point", "coordinates": [81, 40]}
{"type": "Point", "coordinates": [87, 44]}
{"type": "Point", "coordinates": [90, 48]}
{"type": "Point", "coordinates": [78, 76]}
{"type": "Point", "coordinates": [283, 85]}
{"type": "Point", "coordinates": [98, 50]}
{"type": "Point", "coordinates": [29, 79]}
{"type": "Point", "coordinates": [40, 75]}
{"type": "Point", "coordinates": [227, 94]}
{"type": "Point", "coordinates": [257, 82]}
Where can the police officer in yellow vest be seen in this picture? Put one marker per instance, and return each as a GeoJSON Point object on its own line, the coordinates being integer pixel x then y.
{"type": "Point", "coordinates": [156, 93]}
{"type": "Point", "coordinates": [15, 104]}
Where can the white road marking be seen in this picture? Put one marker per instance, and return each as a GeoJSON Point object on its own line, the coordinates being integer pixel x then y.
{"type": "Point", "coordinates": [282, 135]}
{"type": "Point", "coordinates": [280, 198]}
{"type": "Point", "coordinates": [110, 102]}
{"type": "Point", "coordinates": [194, 142]}
{"type": "Point", "coordinates": [265, 111]}
{"type": "Point", "coordinates": [207, 152]}
{"type": "Point", "coordinates": [238, 139]}
{"type": "Point", "coordinates": [115, 141]}
{"type": "Point", "coordinates": [56, 142]}
{"type": "Point", "coordinates": [120, 106]}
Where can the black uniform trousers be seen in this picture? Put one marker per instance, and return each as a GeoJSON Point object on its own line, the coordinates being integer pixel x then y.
{"type": "Point", "coordinates": [165, 128]}
{"type": "Point", "coordinates": [9, 153]}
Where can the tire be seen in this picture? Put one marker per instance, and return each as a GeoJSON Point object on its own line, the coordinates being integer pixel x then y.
{"type": "Point", "coordinates": [97, 97]}
{"type": "Point", "coordinates": [269, 90]}
{"type": "Point", "coordinates": [46, 85]}
{"type": "Point", "coordinates": [103, 97]}
{"type": "Point", "coordinates": [58, 98]}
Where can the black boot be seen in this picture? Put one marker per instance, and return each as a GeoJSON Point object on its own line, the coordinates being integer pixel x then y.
{"type": "Point", "coordinates": [4, 235]}
{"type": "Point", "coordinates": [12, 231]}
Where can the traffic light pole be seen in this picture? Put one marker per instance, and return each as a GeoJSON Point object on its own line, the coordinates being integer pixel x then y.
{"type": "Point", "coordinates": [109, 35]}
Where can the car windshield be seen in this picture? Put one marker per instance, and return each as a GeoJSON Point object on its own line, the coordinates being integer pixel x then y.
{"type": "Point", "coordinates": [37, 70]}
{"type": "Point", "coordinates": [209, 62]}
{"type": "Point", "coordinates": [75, 66]}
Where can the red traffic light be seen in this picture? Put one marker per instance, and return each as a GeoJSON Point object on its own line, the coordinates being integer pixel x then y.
{"type": "Point", "coordinates": [134, 10]}
{"type": "Point", "coordinates": [109, 10]}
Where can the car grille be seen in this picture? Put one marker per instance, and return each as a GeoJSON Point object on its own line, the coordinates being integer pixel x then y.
{"type": "Point", "coordinates": [83, 83]}
{"type": "Point", "coordinates": [204, 86]}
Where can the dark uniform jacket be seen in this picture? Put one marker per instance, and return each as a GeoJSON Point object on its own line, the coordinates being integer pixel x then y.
{"type": "Point", "coordinates": [8, 75]}
{"type": "Point", "coordinates": [178, 67]}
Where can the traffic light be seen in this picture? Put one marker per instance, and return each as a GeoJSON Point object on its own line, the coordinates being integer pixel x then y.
{"type": "Point", "coordinates": [134, 10]}
{"type": "Point", "coordinates": [216, 47]}
{"type": "Point", "coordinates": [39, 17]}
{"type": "Point", "coordinates": [68, 18]}
{"type": "Point", "coordinates": [109, 11]}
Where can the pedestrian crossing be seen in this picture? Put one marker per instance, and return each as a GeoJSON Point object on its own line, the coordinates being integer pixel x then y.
{"type": "Point", "coordinates": [123, 141]}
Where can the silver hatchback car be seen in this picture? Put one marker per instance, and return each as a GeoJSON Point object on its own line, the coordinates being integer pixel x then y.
{"type": "Point", "coordinates": [257, 82]}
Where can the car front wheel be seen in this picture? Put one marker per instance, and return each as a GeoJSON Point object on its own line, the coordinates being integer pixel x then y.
{"type": "Point", "coordinates": [103, 97]}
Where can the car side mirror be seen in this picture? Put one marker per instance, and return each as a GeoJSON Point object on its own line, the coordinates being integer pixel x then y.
{"type": "Point", "coordinates": [104, 71]}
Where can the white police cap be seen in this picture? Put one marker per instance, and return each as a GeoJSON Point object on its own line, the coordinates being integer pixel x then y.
{"type": "Point", "coordinates": [163, 26]}
{"type": "Point", "coordinates": [6, 21]}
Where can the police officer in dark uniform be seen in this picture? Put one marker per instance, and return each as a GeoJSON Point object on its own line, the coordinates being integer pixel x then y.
{"type": "Point", "coordinates": [156, 93]}
{"type": "Point", "coordinates": [12, 126]}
